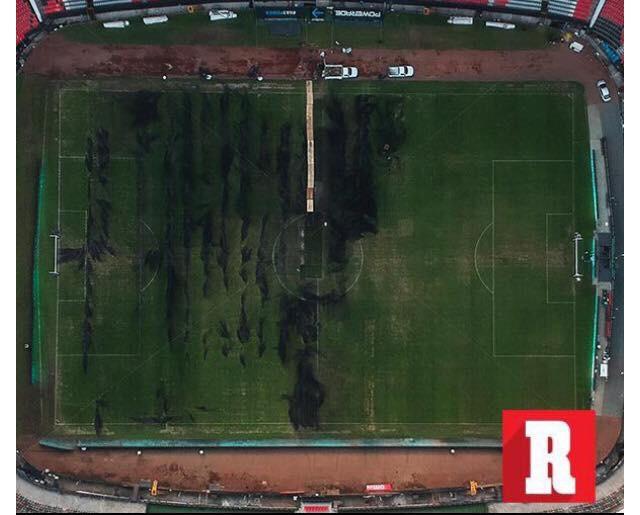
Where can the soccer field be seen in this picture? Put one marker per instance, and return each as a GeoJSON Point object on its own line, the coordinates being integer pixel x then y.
{"type": "Point", "coordinates": [432, 289]}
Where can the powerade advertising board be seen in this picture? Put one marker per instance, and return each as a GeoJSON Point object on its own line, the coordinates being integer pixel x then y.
{"type": "Point", "coordinates": [359, 15]}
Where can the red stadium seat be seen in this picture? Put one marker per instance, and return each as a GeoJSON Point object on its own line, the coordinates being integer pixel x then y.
{"type": "Point", "coordinates": [613, 11]}
{"type": "Point", "coordinates": [26, 20]}
{"type": "Point", "coordinates": [610, 23]}
{"type": "Point", "coordinates": [583, 9]}
{"type": "Point", "coordinates": [53, 6]}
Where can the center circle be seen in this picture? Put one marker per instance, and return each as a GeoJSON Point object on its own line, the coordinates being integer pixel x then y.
{"type": "Point", "coordinates": [312, 261]}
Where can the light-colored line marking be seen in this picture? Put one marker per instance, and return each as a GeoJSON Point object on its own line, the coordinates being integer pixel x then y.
{"type": "Point", "coordinates": [493, 190]}
{"type": "Point", "coordinates": [318, 326]}
{"type": "Point", "coordinates": [86, 251]}
{"type": "Point", "coordinates": [475, 258]}
{"type": "Point", "coordinates": [493, 257]}
{"type": "Point", "coordinates": [541, 356]}
{"type": "Point", "coordinates": [158, 268]}
{"type": "Point", "coordinates": [112, 158]}
{"type": "Point", "coordinates": [98, 355]}
{"type": "Point", "coordinates": [533, 160]}
{"type": "Point", "coordinates": [573, 210]}
{"type": "Point", "coordinates": [56, 364]}
{"type": "Point", "coordinates": [546, 258]}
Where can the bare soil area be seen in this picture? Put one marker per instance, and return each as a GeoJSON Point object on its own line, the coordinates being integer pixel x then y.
{"type": "Point", "coordinates": [60, 58]}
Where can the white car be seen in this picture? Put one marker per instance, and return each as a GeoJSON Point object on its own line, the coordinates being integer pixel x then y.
{"type": "Point", "coordinates": [398, 72]}
{"type": "Point", "coordinates": [604, 91]}
{"type": "Point", "coordinates": [350, 72]}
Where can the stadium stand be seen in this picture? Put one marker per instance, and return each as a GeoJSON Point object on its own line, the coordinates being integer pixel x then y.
{"type": "Point", "coordinates": [60, 6]}
{"type": "Point", "coordinates": [525, 5]}
{"type": "Point", "coordinates": [576, 9]}
{"type": "Point", "coordinates": [71, 5]}
{"type": "Point", "coordinates": [24, 505]}
{"type": "Point", "coordinates": [610, 23]}
{"type": "Point", "coordinates": [26, 20]}
{"type": "Point", "coordinates": [520, 5]}
{"type": "Point", "coordinates": [613, 11]}
{"type": "Point", "coordinates": [53, 6]}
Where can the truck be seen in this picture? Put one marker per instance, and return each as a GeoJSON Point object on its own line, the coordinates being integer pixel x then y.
{"type": "Point", "coordinates": [339, 72]}
{"type": "Point", "coordinates": [500, 25]}
{"type": "Point", "coordinates": [221, 14]}
{"type": "Point", "coordinates": [153, 20]}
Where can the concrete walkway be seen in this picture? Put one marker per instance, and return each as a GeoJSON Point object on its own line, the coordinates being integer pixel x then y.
{"type": "Point", "coordinates": [74, 503]}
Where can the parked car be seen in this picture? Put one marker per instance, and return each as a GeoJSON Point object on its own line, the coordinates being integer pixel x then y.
{"type": "Point", "coordinates": [398, 72]}
{"type": "Point", "coordinates": [339, 72]}
{"type": "Point", "coordinates": [604, 91]}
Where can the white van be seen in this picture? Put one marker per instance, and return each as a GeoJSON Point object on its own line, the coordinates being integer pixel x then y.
{"type": "Point", "coordinates": [604, 371]}
{"type": "Point", "coordinates": [576, 47]}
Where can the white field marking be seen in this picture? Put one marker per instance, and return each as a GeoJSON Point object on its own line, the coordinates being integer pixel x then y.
{"type": "Point", "coordinates": [573, 209]}
{"type": "Point", "coordinates": [97, 355]}
{"type": "Point", "coordinates": [113, 158]}
{"type": "Point", "coordinates": [493, 257]}
{"type": "Point", "coordinates": [158, 268]}
{"type": "Point", "coordinates": [318, 326]}
{"type": "Point", "coordinates": [541, 356]}
{"type": "Point", "coordinates": [215, 89]}
{"type": "Point", "coordinates": [493, 306]}
{"type": "Point", "coordinates": [55, 372]}
{"type": "Point", "coordinates": [281, 282]}
{"type": "Point", "coordinates": [546, 259]}
{"type": "Point", "coordinates": [533, 160]}
{"type": "Point", "coordinates": [484, 93]}
{"type": "Point", "coordinates": [86, 226]}
{"type": "Point", "coordinates": [475, 258]}
{"type": "Point", "coordinates": [86, 251]}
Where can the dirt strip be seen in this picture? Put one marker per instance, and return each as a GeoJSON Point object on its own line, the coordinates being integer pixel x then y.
{"type": "Point", "coordinates": [286, 470]}
{"type": "Point", "coordinates": [58, 57]}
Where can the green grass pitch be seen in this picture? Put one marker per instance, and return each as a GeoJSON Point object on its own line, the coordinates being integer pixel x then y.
{"type": "Point", "coordinates": [398, 31]}
{"type": "Point", "coordinates": [438, 292]}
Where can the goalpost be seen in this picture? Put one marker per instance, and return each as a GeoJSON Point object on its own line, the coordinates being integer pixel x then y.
{"type": "Point", "coordinates": [56, 244]}
{"type": "Point", "coordinates": [577, 238]}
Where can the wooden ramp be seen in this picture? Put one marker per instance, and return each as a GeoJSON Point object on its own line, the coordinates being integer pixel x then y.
{"type": "Point", "coordinates": [310, 149]}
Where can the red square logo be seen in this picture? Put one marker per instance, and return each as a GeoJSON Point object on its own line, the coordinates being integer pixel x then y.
{"type": "Point", "coordinates": [549, 456]}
